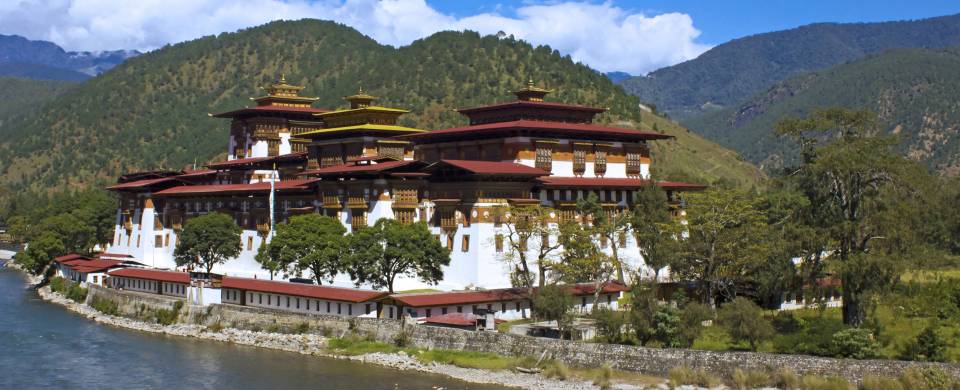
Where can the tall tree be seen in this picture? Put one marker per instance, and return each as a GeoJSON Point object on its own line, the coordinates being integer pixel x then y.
{"type": "Point", "coordinates": [528, 231]}
{"type": "Point", "coordinates": [609, 225]}
{"type": "Point", "coordinates": [726, 239]}
{"type": "Point", "coordinates": [554, 303]}
{"type": "Point", "coordinates": [582, 259]}
{"type": "Point", "coordinates": [207, 240]}
{"type": "Point", "coordinates": [379, 253]}
{"type": "Point", "coordinates": [309, 242]}
{"type": "Point", "coordinates": [654, 228]}
{"type": "Point", "coordinates": [857, 188]}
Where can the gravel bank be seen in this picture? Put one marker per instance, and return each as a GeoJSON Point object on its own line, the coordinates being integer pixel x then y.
{"type": "Point", "coordinates": [310, 344]}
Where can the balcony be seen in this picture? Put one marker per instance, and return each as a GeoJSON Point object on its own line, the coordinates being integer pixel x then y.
{"type": "Point", "coordinates": [357, 202]}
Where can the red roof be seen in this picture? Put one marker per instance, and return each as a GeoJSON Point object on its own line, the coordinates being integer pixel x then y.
{"type": "Point", "coordinates": [555, 129]}
{"type": "Point", "coordinates": [114, 256]}
{"type": "Point", "coordinates": [256, 160]}
{"type": "Point", "coordinates": [459, 297]}
{"type": "Point", "coordinates": [283, 185]}
{"type": "Point", "coordinates": [302, 290]}
{"type": "Point", "coordinates": [358, 168]}
{"type": "Point", "coordinates": [153, 274]}
{"type": "Point", "coordinates": [613, 182]}
{"type": "Point", "coordinates": [495, 295]}
{"type": "Point", "coordinates": [140, 183]}
{"type": "Point", "coordinates": [96, 265]}
{"type": "Point", "coordinates": [495, 167]}
{"type": "Point", "coordinates": [456, 319]}
{"type": "Point", "coordinates": [68, 257]}
{"type": "Point", "coordinates": [267, 109]}
{"type": "Point", "coordinates": [527, 103]}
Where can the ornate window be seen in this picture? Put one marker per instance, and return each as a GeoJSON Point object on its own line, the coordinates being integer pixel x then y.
{"type": "Point", "coordinates": [633, 164]}
{"type": "Point", "coordinates": [358, 220]}
{"type": "Point", "coordinates": [579, 161]}
{"type": "Point", "coordinates": [404, 216]}
{"type": "Point", "coordinates": [544, 159]}
{"type": "Point", "coordinates": [600, 163]}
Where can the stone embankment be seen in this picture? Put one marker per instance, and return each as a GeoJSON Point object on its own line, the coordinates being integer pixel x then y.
{"type": "Point", "coordinates": [311, 344]}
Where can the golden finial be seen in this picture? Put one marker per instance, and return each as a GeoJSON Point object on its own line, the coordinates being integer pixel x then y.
{"type": "Point", "coordinates": [283, 78]}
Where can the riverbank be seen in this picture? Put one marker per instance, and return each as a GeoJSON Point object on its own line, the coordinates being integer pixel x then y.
{"type": "Point", "coordinates": [317, 345]}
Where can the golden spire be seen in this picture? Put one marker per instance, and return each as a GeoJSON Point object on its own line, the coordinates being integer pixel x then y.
{"type": "Point", "coordinates": [360, 100]}
{"type": "Point", "coordinates": [531, 92]}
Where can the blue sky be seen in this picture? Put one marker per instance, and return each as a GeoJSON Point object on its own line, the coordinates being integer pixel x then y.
{"type": "Point", "coordinates": [721, 21]}
{"type": "Point", "coordinates": [635, 36]}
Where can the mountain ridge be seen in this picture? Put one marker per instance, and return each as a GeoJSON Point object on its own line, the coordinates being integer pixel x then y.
{"type": "Point", "coordinates": [738, 69]}
{"type": "Point", "coordinates": [150, 111]}
{"type": "Point", "coordinates": [913, 91]}
{"type": "Point", "coordinates": [47, 57]}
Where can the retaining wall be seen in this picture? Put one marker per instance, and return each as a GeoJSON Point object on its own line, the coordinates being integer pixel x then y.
{"type": "Point", "coordinates": [651, 361]}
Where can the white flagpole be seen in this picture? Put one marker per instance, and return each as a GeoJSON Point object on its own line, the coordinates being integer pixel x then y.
{"type": "Point", "coordinates": [272, 199]}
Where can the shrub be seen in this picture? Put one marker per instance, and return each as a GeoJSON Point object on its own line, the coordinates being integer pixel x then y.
{"type": "Point", "coordinates": [301, 328]}
{"type": "Point", "coordinates": [667, 327]}
{"type": "Point", "coordinates": [786, 322]}
{"type": "Point", "coordinates": [76, 293]}
{"type": "Point", "coordinates": [818, 383]}
{"type": "Point", "coordinates": [556, 370]}
{"type": "Point", "coordinates": [930, 378]}
{"type": "Point", "coordinates": [326, 331]}
{"type": "Point", "coordinates": [553, 303]}
{"type": "Point", "coordinates": [602, 377]}
{"type": "Point", "coordinates": [691, 318]}
{"type": "Point", "coordinates": [169, 317]}
{"type": "Point", "coordinates": [928, 346]}
{"type": "Point", "coordinates": [216, 327]}
{"type": "Point", "coordinates": [744, 322]}
{"type": "Point", "coordinates": [58, 284]}
{"type": "Point", "coordinates": [105, 306]}
{"type": "Point", "coordinates": [682, 375]}
{"type": "Point", "coordinates": [643, 305]}
{"type": "Point", "coordinates": [877, 383]}
{"type": "Point", "coordinates": [609, 324]}
{"type": "Point", "coordinates": [786, 379]}
{"type": "Point", "coordinates": [273, 328]}
{"type": "Point", "coordinates": [856, 343]}
{"type": "Point", "coordinates": [401, 339]}
{"type": "Point", "coordinates": [748, 380]}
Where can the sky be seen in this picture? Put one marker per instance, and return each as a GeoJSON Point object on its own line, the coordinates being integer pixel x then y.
{"type": "Point", "coordinates": [635, 36]}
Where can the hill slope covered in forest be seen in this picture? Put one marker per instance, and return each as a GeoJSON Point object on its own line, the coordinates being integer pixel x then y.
{"type": "Point", "coordinates": [913, 91]}
{"type": "Point", "coordinates": [151, 111]}
{"type": "Point", "coordinates": [736, 70]}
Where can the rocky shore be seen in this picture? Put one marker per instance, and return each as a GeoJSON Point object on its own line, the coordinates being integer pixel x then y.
{"type": "Point", "coordinates": [311, 344]}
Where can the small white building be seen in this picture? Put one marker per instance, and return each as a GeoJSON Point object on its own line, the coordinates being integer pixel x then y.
{"type": "Point", "coordinates": [300, 297]}
{"type": "Point", "coordinates": [505, 303]}
{"type": "Point", "coordinates": [87, 270]}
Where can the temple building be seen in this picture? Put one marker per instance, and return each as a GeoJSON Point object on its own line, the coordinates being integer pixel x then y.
{"type": "Point", "coordinates": [357, 164]}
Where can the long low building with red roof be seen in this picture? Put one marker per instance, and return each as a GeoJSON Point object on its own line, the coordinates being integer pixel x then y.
{"type": "Point", "coordinates": [360, 163]}
{"type": "Point", "coordinates": [504, 303]}
{"type": "Point", "coordinates": [300, 297]}
{"type": "Point", "coordinates": [151, 281]}
{"type": "Point", "coordinates": [90, 270]}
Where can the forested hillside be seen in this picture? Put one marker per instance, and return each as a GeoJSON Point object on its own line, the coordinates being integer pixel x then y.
{"type": "Point", "coordinates": [738, 69]}
{"type": "Point", "coordinates": [151, 111]}
{"type": "Point", "coordinates": [913, 91]}
{"type": "Point", "coordinates": [19, 97]}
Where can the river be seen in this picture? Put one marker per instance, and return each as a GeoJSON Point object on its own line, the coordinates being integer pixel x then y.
{"type": "Point", "coordinates": [45, 346]}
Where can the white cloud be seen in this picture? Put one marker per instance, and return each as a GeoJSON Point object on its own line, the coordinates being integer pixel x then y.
{"type": "Point", "coordinates": [602, 35]}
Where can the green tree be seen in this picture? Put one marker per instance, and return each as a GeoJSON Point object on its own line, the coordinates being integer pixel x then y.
{"type": "Point", "coordinates": [379, 253]}
{"type": "Point", "coordinates": [609, 323]}
{"type": "Point", "coordinates": [554, 302]}
{"type": "Point", "coordinates": [654, 228]}
{"type": "Point", "coordinates": [41, 252]}
{"type": "Point", "coordinates": [857, 188]}
{"type": "Point", "coordinates": [692, 317]}
{"type": "Point", "coordinates": [643, 306]}
{"type": "Point", "coordinates": [929, 346]}
{"type": "Point", "coordinates": [855, 343]}
{"type": "Point", "coordinates": [608, 225]}
{"type": "Point", "coordinates": [529, 230]}
{"type": "Point", "coordinates": [727, 237]}
{"type": "Point", "coordinates": [744, 321]}
{"type": "Point", "coordinates": [309, 242]}
{"type": "Point", "coordinates": [207, 240]}
{"type": "Point", "coordinates": [268, 262]}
